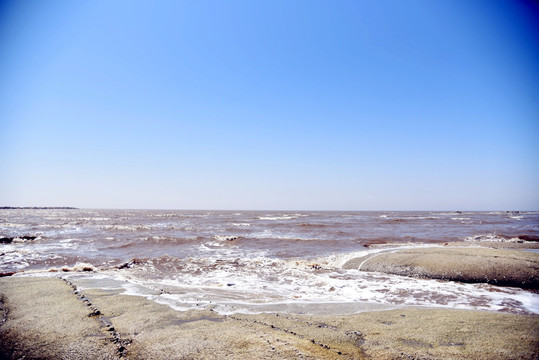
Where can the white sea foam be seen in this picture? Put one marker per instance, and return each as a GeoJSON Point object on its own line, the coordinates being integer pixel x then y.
{"type": "Point", "coordinates": [226, 237]}
{"type": "Point", "coordinates": [11, 225]}
{"type": "Point", "coordinates": [97, 218]}
{"type": "Point", "coordinates": [269, 234]}
{"type": "Point", "coordinates": [281, 216]}
{"type": "Point", "coordinates": [78, 267]}
{"type": "Point", "coordinates": [166, 215]}
{"type": "Point", "coordinates": [231, 284]}
{"type": "Point", "coordinates": [215, 243]}
{"type": "Point", "coordinates": [489, 237]}
{"type": "Point", "coordinates": [243, 285]}
{"type": "Point", "coordinates": [276, 217]}
{"type": "Point", "coordinates": [18, 259]}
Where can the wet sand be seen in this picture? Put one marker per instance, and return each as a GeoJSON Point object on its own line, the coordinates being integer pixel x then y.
{"type": "Point", "coordinates": [502, 267]}
{"type": "Point", "coordinates": [48, 318]}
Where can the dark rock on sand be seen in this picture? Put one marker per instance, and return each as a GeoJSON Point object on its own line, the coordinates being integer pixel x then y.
{"type": "Point", "coordinates": [528, 237]}
{"type": "Point", "coordinates": [471, 265]}
{"type": "Point", "coordinates": [8, 240]}
{"type": "Point", "coordinates": [131, 263]}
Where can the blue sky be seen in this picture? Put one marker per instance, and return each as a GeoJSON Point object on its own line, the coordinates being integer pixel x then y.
{"type": "Point", "coordinates": [328, 105]}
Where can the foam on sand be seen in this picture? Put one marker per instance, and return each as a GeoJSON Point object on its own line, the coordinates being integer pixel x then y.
{"type": "Point", "coordinates": [52, 319]}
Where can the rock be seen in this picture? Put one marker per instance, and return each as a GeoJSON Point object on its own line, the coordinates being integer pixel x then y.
{"type": "Point", "coordinates": [226, 237]}
{"type": "Point", "coordinates": [129, 264]}
{"type": "Point", "coordinates": [95, 312]}
{"type": "Point", "coordinates": [470, 265]}
{"type": "Point", "coordinates": [8, 240]}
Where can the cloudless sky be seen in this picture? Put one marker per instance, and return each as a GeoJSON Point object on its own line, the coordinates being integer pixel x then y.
{"type": "Point", "coordinates": [322, 105]}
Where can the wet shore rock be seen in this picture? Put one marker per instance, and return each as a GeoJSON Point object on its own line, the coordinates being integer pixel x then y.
{"type": "Point", "coordinates": [9, 240]}
{"type": "Point", "coordinates": [469, 265]}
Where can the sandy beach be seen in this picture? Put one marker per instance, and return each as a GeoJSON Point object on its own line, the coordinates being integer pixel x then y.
{"type": "Point", "coordinates": [50, 318]}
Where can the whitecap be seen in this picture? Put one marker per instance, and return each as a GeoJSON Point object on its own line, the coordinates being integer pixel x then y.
{"type": "Point", "coordinates": [489, 237]}
{"type": "Point", "coordinates": [276, 217]}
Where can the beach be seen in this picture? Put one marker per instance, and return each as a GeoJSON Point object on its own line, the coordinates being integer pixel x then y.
{"type": "Point", "coordinates": [111, 284]}
{"type": "Point", "coordinates": [51, 318]}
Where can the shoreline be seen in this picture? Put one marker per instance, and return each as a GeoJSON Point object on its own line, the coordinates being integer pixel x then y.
{"type": "Point", "coordinates": [49, 318]}
{"type": "Point", "coordinates": [458, 275]}
{"type": "Point", "coordinates": [57, 318]}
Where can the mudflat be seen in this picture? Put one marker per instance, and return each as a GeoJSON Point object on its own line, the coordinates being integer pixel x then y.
{"type": "Point", "coordinates": [49, 318]}
{"type": "Point", "coordinates": [500, 267]}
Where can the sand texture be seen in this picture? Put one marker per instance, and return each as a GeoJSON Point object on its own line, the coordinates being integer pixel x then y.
{"type": "Point", "coordinates": [42, 319]}
{"type": "Point", "coordinates": [471, 265]}
{"type": "Point", "coordinates": [48, 318]}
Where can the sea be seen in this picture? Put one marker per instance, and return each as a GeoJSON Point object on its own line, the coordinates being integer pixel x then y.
{"type": "Point", "coordinates": [257, 261]}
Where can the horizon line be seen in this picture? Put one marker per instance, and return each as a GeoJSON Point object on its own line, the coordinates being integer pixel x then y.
{"type": "Point", "coordinates": [276, 210]}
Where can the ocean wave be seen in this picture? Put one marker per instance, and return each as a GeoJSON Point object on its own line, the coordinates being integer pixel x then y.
{"type": "Point", "coordinates": [313, 225]}
{"type": "Point", "coordinates": [226, 237]}
{"type": "Point", "coordinates": [277, 217]}
{"type": "Point", "coordinates": [137, 227]}
{"type": "Point", "coordinates": [490, 237]}
{"type": "Point", "coordinates": [241, 224]}
{"type": "Point", "coordinates": [11, 225]}
{"type": "Point", "coordinates": [243, 284]}
{"type": "Point", "coordinates": [285, 258]}
{"type": "Point", "coordinates": [97, 218]}
{"type": "Point", "coordinates": [79, 267]}
{"type": "Point", "coordinates": [281, 217]}
{"type": "Point", "coordinates": [268, 234]}
{"type": "Point", "coordinates": [411, 218]}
